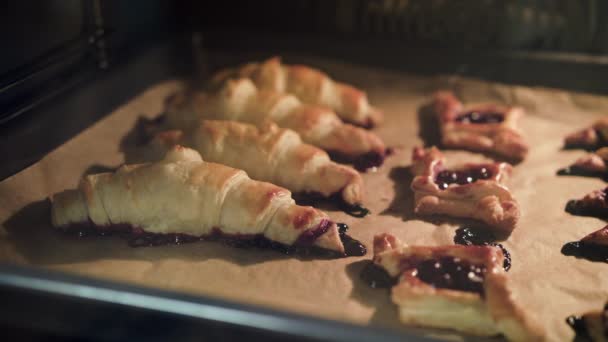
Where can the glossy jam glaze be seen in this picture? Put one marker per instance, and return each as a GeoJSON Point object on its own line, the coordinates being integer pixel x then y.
{"type": "Point", "coordinates": [466, 176]}
{"type": "Point", "coordinates": [313, 198]}
{"type": "Point", "coordinates": [452, 273]}
{"type": "Point", "coordinates": [352, 247]}
{"type": "Point", "coordinates": [376, 277]}
{"type": "Point", "coordinates": [136, 237]}
{"type": "Point", "coordinates": [577, 323]}
{"type": "Point", "coordinates": [369, 160]}
{"type": "Point", "coordinates": [589, 251]}
{"type": "Point", "coordinates": [365, 161]}
{"type": "Point", "coordinates": [480, 117]}
{"type": "Point", "coordinates": [469, 236]}
{"type": "Point", "coordinates": [575, 170]}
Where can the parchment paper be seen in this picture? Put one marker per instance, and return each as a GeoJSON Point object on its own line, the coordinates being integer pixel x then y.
{"type": "Point", "coordinates": [551, 286]}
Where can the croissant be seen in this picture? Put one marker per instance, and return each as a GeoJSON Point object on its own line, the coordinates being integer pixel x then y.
{"type": "Point", "coordinates": [182, 194]}
{"type": "Point", "coordinates": [240, 100]}
{"type": "Point", "coordinates": [270, 154]}
{"type": "Point", "coordinates": [309, 85]}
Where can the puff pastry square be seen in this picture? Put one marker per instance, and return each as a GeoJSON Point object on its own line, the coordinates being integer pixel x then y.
{"type": "Point", "coordinates": [472, 190]}
{"type": "Point", "coordinates": [182, 195]}
{"type": "Point", "coordinates": [485, 127]}
{"type": "Point", "coordinates": [457, 287]}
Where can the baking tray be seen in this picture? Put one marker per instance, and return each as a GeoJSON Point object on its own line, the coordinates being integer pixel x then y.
{"type": "Point", "coordinates": [24, 285]}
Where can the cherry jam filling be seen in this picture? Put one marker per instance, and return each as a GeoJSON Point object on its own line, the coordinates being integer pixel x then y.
{"type": "Point", "coordinates": [376, 277]}
{"type": "Point", "coordinates": [352, 247]}
{"type": "Point", "coordinates": [467, 176]}
{"type": "Point", "coordinates": [368, 161]}
{"type": "Point", "coordinates": [480, 117]}
{"type": "Point", "coordinates": [137, 237]}
{"type": "Point", "coordinates": [585, 250]}
{"type": "Point", "coordinates": [314, 198]}
{"type": "Point", "coordinates": [452, 273]}
{"type": "Point", "coordinates": [469, 236]}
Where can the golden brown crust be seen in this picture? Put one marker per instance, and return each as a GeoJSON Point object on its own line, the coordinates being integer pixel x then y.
{"type": "Point", "coordinates": [426, 305]}
{"type": "Point", "coordinates": [309, 85]}
{"type": "Point", "coordinates": [269, 153]}
{"type": "Point", "coordinates": [501, 138]}
{"type": "Point", "coordinates": [240, 100]}
{"type": "Point", "coordinates": [184, 194]}
{"type": "Point", "coordinates": [488, 200]}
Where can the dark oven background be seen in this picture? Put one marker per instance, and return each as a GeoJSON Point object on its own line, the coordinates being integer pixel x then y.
{"type": "Point", "coordinates": [65, 63]}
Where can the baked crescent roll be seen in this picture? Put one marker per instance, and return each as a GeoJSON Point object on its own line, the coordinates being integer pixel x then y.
{"type": "Point", "coordinates": [472, 190]}
{"type": "Point", "coordinates": [457, 287]}
{"type": "Point", "coordinates": [309, 85]}
{"type": "Point", "coordinates": [485, 127]}
{"type": "Point", "coordinates": [240, 100]}
{"type": "Point", "coordinates": [182, 194]}
{"type": "Point", "coordinates": [591, 326]}
{"type": "Point", "coordinates": [271, 154]}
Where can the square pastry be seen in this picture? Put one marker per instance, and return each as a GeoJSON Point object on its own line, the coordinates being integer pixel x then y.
{"type": "Point", "coordinates": [475, 191]}
{"type": "Point", "coordinates": [484, 127]}
{"type": "Point", "coordinates": [457, 287]}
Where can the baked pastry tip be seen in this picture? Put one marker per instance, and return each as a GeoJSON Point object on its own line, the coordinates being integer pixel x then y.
{"type": "Point", "coordinates": [182, 195]}
{"type": "Point", "coordinates": [463, 288]}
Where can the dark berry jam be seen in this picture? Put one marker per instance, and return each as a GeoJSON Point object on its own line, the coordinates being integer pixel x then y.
{"type": "Point", "coordinates": [469, 236]}
{"type": "Point", "coordinates": [352, 247]}
{"type": "Point", "coordinates": [575, 170]}
{"type": "Point", "coordinates": [480, 117]}
{"type": "Point", "coordinates": [314, 199]}
{"type": "Point", "coordinates": [368, 161]}
{"type": "Point", "coordinates": [452, 273]}
{"type": "Point", "coordinates": [461, 177]}
{"type": "Point", "coordinates": [136, 237]}
{"type": "Point", "coordinates": [584, 250]}
{"type": "Point", "coordinates": [577, 323]}
{"type": "Point", "coordinates": [376, 277]}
